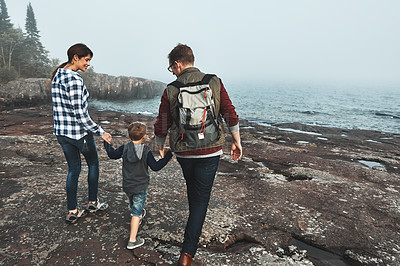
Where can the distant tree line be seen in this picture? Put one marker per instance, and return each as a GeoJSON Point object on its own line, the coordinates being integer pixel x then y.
{"type": "Point", "coordinates": [21, 52]}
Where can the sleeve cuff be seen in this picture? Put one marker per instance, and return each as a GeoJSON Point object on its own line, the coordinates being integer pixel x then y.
{"type": "Point", "coordinates": [160, 141]}
{"type": "Point", "coordinates": [101, 131]}
{"type": "Point", "coordinates": [234, 128]}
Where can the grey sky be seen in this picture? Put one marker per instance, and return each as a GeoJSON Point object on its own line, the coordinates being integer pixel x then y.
{"type": "Point", "coordinates": [298, 40]}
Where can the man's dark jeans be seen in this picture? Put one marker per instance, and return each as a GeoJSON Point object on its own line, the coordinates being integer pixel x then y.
{"type": "Point", "coordinates": [199, 174]}
{"type": "Point", "coordinates": [72, 150]}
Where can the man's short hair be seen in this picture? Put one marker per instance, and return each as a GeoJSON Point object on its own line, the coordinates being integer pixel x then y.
{"type": "Point", "coordinates": [182, 53]}
{"type": "Point", "coordinates": [136, 131]}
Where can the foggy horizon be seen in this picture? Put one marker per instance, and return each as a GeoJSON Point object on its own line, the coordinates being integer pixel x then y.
{"type": "Point", "coordinates": [258, 41]}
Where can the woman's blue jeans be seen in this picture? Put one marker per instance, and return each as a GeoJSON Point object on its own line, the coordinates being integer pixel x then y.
{"type": "Point", "coordinates": [72, 150]}
{"type": "Point", "coordinates": [199, 174]}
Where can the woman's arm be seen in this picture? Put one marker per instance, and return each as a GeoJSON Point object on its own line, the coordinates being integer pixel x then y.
{"type": "Point", "coordinates": [78, 98]}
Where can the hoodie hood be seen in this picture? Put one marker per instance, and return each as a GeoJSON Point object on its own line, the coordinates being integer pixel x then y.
{"type": "Point", "coordinates": [134, 152]}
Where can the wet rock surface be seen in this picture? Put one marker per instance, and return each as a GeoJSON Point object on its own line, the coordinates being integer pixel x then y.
{"type": "Point", "coordinates": [301, 195]}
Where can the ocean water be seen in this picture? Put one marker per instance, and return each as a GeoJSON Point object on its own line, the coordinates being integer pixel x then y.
{"type": "Point", "coordinates": [347, 107]}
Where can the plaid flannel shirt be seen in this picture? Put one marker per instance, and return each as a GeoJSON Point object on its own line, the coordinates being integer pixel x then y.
{"type": "Point", "coordinates": [70, 106]}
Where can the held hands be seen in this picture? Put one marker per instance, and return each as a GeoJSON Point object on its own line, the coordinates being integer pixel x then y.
{"type": "Point", "coordinates": [166, 150]}
{"type": "Point", "coordinates": [107, 137]}
{"type": "Point", "coordinates": [161, 150]}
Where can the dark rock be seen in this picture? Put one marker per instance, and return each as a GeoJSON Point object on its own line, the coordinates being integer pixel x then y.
{"type": "Point", "coordinates": [290, 187]}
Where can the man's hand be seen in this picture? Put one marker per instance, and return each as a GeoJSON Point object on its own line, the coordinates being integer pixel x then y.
{"type": "Point", "coordinates": [107, 137]}
{"type": "Point", "coordinates": [236, 149]}
{"type": "Point", "coordinates": [161, 150]}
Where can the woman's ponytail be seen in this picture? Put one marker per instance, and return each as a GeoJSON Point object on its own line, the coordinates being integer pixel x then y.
{"type": "Point", "coordinates": [55, 71]}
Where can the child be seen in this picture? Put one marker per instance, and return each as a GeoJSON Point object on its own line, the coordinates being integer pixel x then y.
{"type": "Point", "coordinates": [137, 157]}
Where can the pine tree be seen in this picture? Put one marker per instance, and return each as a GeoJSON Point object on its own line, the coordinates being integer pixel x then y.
{"type": "Point", "coordinates": [10, 41]}
{"type": "Point", "coordinates": [7, 37]}
{"type": "Point", "coordinates": [38, 65]}
{"type": "Point", "coordinates": [32, 31]}
{"type": "Point", "coordinates": [5, 23]}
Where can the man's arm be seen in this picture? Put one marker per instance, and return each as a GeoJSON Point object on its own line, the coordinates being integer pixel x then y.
{"type": "Point", "coordinates": [163, 123]}
{"type": "Point", "coordinates": [228, 112]}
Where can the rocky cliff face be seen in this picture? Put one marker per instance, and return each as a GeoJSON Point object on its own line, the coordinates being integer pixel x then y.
{"type": "Point", "coordinates": [120, 88]}
{"type": "Point", "coordinates": [25, 92]}
{"type": "Point", "coordinates": [36, 91]}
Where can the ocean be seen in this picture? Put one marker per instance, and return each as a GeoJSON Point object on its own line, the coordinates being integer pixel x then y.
{"type": "Point", "coordinates": [348, 107]}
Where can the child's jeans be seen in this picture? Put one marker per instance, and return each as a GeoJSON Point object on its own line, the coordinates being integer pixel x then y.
{"type": "Point", "coordinates": [72, 150]}
{"type": "Point", "coordinates": [136, 202]}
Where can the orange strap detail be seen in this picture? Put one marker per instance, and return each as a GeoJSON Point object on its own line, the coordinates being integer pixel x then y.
{"type": "Point", "coordinates": [203, 125]}
{"type": "Point", "coordinates": [182, 134]}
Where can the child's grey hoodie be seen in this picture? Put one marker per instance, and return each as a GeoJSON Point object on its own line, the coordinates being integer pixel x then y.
{"type": "Point", "coordinates": [135, 170]}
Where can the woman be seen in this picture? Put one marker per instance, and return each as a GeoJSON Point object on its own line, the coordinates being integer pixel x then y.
{"type": "Point", "coordinates": [74, 128]}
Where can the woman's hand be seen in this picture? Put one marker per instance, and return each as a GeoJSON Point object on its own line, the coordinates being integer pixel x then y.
{"type": "Point", "coordinates": [107, 137]}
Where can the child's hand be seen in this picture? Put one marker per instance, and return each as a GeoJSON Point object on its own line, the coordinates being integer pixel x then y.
{"type": "Point", "coordinates": [168, 153]}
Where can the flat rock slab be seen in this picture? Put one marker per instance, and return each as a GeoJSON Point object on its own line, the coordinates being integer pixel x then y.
{"type": "Point", "coordinates": [301, 195]}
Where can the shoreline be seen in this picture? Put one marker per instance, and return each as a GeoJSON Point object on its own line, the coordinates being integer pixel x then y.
{"type": "Point", "coordinates": [261, 122]}
{"type": "Point", "coordinates": [290, 187]}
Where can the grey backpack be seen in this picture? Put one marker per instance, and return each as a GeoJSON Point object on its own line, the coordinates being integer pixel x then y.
{"type": "Point", "coordinates": [197, 120]}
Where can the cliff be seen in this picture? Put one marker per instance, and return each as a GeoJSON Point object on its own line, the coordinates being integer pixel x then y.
{"type": "Point", "coordinates": [36, 91]}
{"type": "Point", "coordinates": [25, 92]}
{"type": "Point", "coordinates": [108, 87]}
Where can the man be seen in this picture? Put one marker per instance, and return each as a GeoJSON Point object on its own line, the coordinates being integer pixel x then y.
{"type": "Point", "coordinates": [199, 164]}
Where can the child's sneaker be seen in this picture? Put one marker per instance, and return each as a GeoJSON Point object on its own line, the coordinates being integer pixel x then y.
{"type": "Point", "coordinates": [142, 216]}
{"type": "Point", "coordinates": [97, 206]}
{"type": "Point", "coordinates": [73, 217]}
{"type": "Point", "coordinates": [143, 213]}
{"type": "Point", "coordinates": [137, 243]}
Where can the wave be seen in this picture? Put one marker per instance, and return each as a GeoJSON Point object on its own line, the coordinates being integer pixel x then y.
{"type": "Point", "coordinates": [309, 112]}
{"type": "Point", "coordinates": [387, 115]}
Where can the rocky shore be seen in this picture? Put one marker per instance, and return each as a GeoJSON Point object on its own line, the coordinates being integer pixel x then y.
{"type": "Point", "coordinates": [301, 195]}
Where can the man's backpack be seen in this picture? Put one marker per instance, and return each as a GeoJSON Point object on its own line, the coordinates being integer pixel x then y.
{"type": "Point", "coordinates": [197, 119]}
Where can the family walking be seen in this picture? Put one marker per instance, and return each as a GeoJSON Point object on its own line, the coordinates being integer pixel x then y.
{"type": "Point", "coordinates": [191, 112]}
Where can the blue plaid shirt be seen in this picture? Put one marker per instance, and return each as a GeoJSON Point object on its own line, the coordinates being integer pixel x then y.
{"type": "Point", "coordinates": [70, 106]}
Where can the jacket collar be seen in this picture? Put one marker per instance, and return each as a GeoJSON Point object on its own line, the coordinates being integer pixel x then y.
{"type": "Point", "coordinates": [189, 70]}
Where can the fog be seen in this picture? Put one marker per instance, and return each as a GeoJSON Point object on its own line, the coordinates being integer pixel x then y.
{"type": "Point", "coordinates": [330, 41]}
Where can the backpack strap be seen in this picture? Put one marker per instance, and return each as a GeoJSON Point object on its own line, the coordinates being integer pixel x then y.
{"type": "Point", "coordinates": [177, 84]}
{"type": "Point", "coordinates": [207, 77]}
{"type": "Point", "coordinates": [205, 80]}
